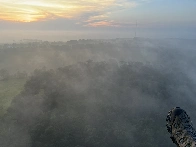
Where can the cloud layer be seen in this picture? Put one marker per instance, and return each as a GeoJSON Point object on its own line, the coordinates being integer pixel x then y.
{"type": "Point", "coordinates": [89, 12]}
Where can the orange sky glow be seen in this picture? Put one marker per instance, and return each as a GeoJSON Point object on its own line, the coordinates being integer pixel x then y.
{"type": "Point", "coordinates": [97, 13]}
{"type": "Point", "coordinates": [96, 16]}
{"type": "Point", "coordinates": [36, 10]}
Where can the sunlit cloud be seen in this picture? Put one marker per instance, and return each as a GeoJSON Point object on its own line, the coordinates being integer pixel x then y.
{"type": "Point", "coordinates": [98, 11]}
{"type": "Point", "coordinates": [98, 20]}
{"type": "Point", "coordinates": [102, 24]}
{"type": "Point", "coordinates": [98, 17]}
{"type": "Point", "coordinates": [103, 18]}
{"type": "Point", "coordinates": [28, 11]}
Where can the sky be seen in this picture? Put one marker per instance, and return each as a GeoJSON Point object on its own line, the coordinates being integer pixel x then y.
{"type": "Point", "coordinates": [71, 19]}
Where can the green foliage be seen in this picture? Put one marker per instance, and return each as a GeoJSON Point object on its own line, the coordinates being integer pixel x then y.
{"type": "Point", "coordinates": [95, 104]}
{"type": "Point", "coordinates": [4, 74]}
{"type": "Point", "coordinates": [8, 90]}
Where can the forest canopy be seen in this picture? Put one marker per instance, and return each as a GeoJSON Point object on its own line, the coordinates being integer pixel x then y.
{"type": "Point", "coordinates": [104, 102]}
{"type": "Point", "coordinates": [93, 104]}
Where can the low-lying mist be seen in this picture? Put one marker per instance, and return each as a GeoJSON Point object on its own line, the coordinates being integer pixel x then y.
{"type": "Point", "coordinates": [96, 93]}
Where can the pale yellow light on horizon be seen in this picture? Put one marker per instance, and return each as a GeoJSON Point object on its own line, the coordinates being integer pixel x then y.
{"type": "Point", "coordinates": [37, 10]}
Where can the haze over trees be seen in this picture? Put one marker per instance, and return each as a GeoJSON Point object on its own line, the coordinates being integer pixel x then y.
{"type": "Point", "coordinates": [97, 93]}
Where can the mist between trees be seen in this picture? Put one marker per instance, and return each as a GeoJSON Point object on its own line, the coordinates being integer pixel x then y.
{"type": "Point", "coordinates": [97, 93]}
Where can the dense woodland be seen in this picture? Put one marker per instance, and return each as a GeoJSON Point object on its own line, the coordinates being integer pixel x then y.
{"type": "Point", "coordinates": [108, 103]}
